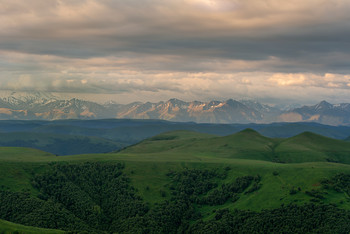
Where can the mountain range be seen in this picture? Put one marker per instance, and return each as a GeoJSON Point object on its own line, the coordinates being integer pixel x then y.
{"type": "Point", "coordinates": [43, 106]}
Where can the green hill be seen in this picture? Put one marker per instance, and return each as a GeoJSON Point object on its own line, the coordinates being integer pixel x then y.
{"type": "Point", "coordinates": [248, 144]}
{"type": "Point", "coordinates": [310, 147]}
{"type": "Point", "coordinates": [166, 141]}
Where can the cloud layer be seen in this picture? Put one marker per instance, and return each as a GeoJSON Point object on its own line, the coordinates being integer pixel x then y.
{"type": "Point", "coordinates": [190, 49]}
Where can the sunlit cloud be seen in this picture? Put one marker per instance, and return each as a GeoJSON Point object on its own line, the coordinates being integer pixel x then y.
{"type": "Point", "coordinates": [194, 49]}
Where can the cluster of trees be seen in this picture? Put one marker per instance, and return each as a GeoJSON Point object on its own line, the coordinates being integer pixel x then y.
{"type": "Point", "coordinates": [286, 219]}
{"type": "Point", "coordinates": [98, 193]}
{"type": "Point", "coordinates": [340, 183]}
{"type": "Point", "coordinates": [98, 197]}
{"type": "Point", "coordinates": [316, 194]}
{"type": "Point", "coordinates": [24, 209]}
{"type": "Point", "coordinates": [190, 187]}
{"type": "Point", "coordinates": [193, 182]}
{"type": "Point", "coordinates": [200, 186]}
{"type": "Point", "coordinates": [232, 190]}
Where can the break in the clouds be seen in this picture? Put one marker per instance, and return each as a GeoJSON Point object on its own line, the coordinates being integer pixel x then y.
{"type": "Point", "coordinates": [191, 49]}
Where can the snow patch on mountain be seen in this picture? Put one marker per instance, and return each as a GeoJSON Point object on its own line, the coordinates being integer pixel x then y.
{"type": "Point", "coordinates": [41, 105]}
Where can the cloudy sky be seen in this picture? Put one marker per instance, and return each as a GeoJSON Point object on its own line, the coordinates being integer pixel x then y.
{"type": "Point", "coordinates": [149, 50]}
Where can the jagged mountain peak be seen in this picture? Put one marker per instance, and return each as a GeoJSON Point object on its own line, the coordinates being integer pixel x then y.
{"type": "Point", "coordinates": [323, 112]}
{"type": "Point", "coordinates": [177, 102]}
{"type": "Point", "coordinates": [323, 105]}
{"type": "Point", "coordinates": [41, 105]}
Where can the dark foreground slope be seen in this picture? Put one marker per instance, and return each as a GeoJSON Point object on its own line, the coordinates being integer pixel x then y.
{"type": "Point", "coordinates": [168, 184]}
{"type": "Point", "coordinates": [109, 196]}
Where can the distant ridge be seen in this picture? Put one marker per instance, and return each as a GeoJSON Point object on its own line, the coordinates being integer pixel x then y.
{"type": "Point", "coordinates": [323, 112]}
{"type": "Point", "coordinates": [42, 106]}
{"type": "Point", "coordinates": [59, 144]}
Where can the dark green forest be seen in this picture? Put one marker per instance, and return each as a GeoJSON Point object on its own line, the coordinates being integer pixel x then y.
{"type": "Point", "coordinates": [98, 197]}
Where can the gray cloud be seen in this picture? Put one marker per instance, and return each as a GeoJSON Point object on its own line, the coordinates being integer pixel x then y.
{"type": "Point", "coordinates": [232, 47]}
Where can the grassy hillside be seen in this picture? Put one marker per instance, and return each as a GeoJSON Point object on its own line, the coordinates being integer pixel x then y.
{"type": "Point", "coordinates": [279, 184]}
{"type": "Point", "coordinates": [150, 169]}
{"type": "Point", "coordinates": [248, 144]}
{"type": "Point", "coordinates": [313, 148]}
{"type": "Point", "coordinates": [171, 178]}
{"type": "Point", "coordinates": [166, 141]}
{"type": "Point", "coordinates": [9, 227]}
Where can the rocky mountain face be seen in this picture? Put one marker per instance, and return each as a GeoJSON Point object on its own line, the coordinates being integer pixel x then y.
{"type": "Point", "coordinates": [202, 112]}
{"type": "Point", "coordinates": [46, 107]}
{"type": "Point", "coordinates": [43, 106]}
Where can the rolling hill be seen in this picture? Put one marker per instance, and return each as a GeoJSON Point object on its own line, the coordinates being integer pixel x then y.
{"type": "Point", "coordinates": [312, 147]}
{"type": "Point", "coordinates": [248, 144]}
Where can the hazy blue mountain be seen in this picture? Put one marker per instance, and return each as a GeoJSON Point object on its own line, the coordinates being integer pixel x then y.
{"type": "Point", "coordinates": [323, 112]}
{"type": "Point", "coordinates": [129, 130]}
{"type": "Point", "coordinates": [59, 144]}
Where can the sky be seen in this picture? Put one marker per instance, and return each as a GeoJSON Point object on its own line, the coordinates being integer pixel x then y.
{"type": "Point", "coordinates": [271, 51]}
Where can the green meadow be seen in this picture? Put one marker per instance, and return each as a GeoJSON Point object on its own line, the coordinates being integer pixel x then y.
{"type": "Point", "coordinates": [9, 228]}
